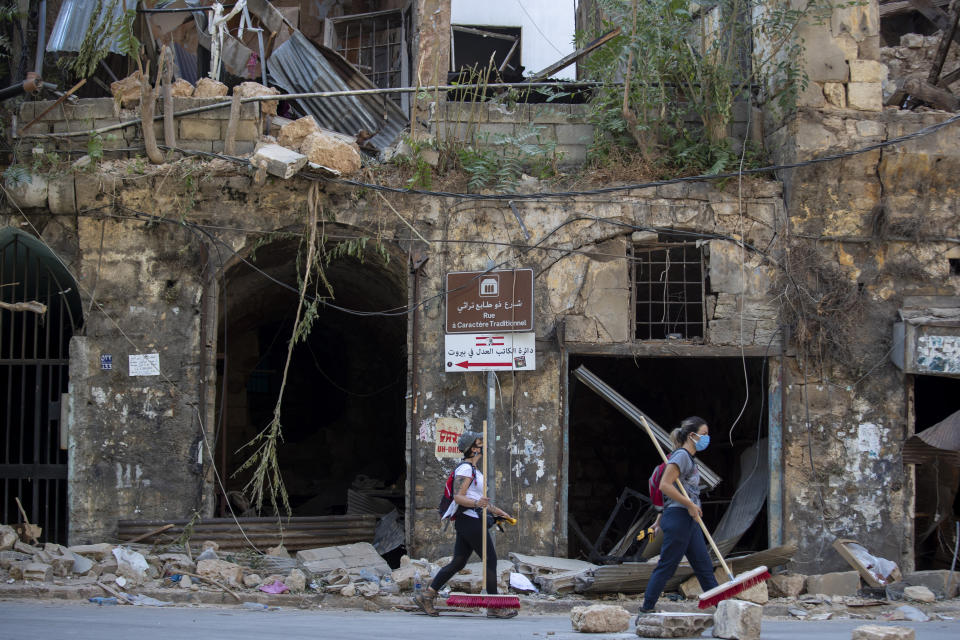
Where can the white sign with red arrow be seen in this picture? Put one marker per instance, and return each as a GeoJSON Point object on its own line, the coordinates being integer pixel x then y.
{"type": "Point", "coordinates": [490, 352]}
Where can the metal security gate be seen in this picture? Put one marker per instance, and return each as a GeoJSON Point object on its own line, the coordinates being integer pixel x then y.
{"type": "Point", "coordinates": [34, 362]}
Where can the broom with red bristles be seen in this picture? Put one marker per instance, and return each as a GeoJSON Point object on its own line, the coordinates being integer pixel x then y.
{"type": "Point", "coordinates": [736, 584]}
{"type": "Point", "coordinates": [483, 599]}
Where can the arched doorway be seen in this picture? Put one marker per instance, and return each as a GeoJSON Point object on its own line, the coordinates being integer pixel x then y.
{"type": "Point", "coordinates": [343, 412]}
{"type": "Point", "coordinates": [34, 365]}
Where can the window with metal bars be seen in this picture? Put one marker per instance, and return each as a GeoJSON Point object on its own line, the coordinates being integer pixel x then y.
{"type": "Point", "coordinates": [669, 288]}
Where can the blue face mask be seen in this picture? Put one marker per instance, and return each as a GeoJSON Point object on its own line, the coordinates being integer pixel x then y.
{"type": "Point", "coordinates": [703, 442]}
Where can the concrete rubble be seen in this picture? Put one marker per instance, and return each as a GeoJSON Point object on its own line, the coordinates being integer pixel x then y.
{"type": "Point", "coordinates": [600, 618]}
{"type": "Point", "coordinates": [355, 575]}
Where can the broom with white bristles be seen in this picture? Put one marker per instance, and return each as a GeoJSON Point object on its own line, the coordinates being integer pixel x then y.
{"type": "Point", "coordinates": [736, 584]}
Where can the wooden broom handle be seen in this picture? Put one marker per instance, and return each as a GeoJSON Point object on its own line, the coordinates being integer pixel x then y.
{"type": "Point", "coordinates": [483, 517]}
{"type": "Point", "coordinates": [706, 533]}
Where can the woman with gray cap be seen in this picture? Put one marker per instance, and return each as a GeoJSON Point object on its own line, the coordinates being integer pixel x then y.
{"type": "Point", "coordinates": [465, 512]}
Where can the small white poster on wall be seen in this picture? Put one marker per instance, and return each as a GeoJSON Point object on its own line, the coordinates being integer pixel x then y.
{"type": "Point", "coordinates": [144, 364]}
{"type": "Point", "coordinates": [448, 433]}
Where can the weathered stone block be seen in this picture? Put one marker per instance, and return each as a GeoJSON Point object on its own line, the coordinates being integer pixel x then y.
{"type": "Point", "coordinates": [98, 552]}
{"type": "Point", "coordinates": [8, 537]}
{"type": "Point", "coordinates": [221, 570]}
{"type": "Point", "coordinates": [37, 571]}
{"type": "Point", "coordinates": [865, 96]}
{"type": "Point", "coordinates": [292, 134]}
{"type": "Point", "coordinates": [181, 88]}
{"type": "Point", "coordinates": [252, 89]}
{"type": "Point", "coordinates": [870, 129]}
{"type": "Point", "coordinates": [867, 71]}
{"type": "Point", "coordinates": [737, 620]}
{"type": "Point", "coordinates": [919, 593]}
{"type": "Point", "coordinates": [494, 131]}
{"type": "Point", "coordinates": [61, 195]}
{"type": "Point", "coordinates": [278, 161]}
{"type": "Point", "coordinates": [600, 618]}
{"type": "Point", "coordinates": [30, 195]}
{"type": "Point", "coordinates": [877, 632]}
{"type": "Point", "coordinates": [673, 625]}
{"type": "Point", "coordinates": [247, 130]}
{"type": "Point", "coordinates": [860, 20]}
{"type": "Point", "coordinates": [574, 134]}
{"type": "Point", "coordinates": [184, 104]}
{"type": "Point", "coordinates": [209, 88]}
{"type": "Point", "coordinates": [823, 58]}
{"type": "Point", "coordinates": [911, 40]}
{"type": "Point", "coordinates": [7, 558]}
{"type": "Point", "coordinates": [786, 585]}
{"type": "Point", "coordinates": [841, 583]}
{"type": "Point", "coordinates": [62, 566]}
{"type": "Point", "coordinates": [322, 553]}
{"type": "Point", "coordinates": [324, 566]}
{"type": "Point", "coordinates": [936, 581]}
{"type": "Point", "coordinates": [836, 94]}
{"type": "Point", "coordinates": [333, 151]}
{"type": "Point", "coordinates": [296, 580]}
{"type": "Point", "coordinates": [571, 154]}
{"type": "Point", "coordinates": [196, 129]}
{"type": "Point", "coordinates": [578, 328]}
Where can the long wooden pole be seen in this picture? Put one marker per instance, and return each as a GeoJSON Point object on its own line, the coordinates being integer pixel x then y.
{"type": "Point", "coordinates": [699, 520]}
{"type": "Point", "coordinates": [483, 517]}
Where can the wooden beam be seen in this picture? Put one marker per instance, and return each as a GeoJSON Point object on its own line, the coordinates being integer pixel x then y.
{"type": "Point", "coordinates": [935, 96]}
{"type": "Point", "coordinates": [935, 14]}
{"type": "Point", "coordinates": [901, 7]}
{"type": "Point", "coordinates": [575, 56]}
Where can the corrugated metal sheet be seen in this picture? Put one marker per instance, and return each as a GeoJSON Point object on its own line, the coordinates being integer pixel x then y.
{"type": "Point", "coordinates": [72, 22]}
{"type": "Point", "coordinates": [293, 533]}
{"type": "Point", "coordinates": [299, 66]}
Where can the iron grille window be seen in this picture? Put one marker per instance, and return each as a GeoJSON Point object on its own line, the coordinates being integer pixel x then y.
{"type": "Point", "coordinates": [669, 288]}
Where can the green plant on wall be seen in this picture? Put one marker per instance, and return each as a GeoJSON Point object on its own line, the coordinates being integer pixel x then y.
{"type": "Point", "coordinates": [108, 27]}
{"type": "Point", "coordinates": [671, 78]}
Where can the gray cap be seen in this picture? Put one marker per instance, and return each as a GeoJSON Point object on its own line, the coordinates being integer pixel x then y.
{"type": "Point", "coordinates": [467, 438]}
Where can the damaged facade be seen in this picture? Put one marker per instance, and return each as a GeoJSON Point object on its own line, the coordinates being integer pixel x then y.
{"type": "Point", "coordinates": [683, 297]}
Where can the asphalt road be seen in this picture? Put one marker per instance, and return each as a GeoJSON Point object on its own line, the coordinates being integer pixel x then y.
{"type": "Point", "coordinates": [52, 620]}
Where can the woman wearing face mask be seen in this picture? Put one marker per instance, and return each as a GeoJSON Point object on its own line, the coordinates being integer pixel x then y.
{"type": "Point", "coordinates": [681, 533]}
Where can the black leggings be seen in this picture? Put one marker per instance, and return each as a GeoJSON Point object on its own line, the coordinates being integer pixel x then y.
{"type": "Point", "coordinates": [468, 540]}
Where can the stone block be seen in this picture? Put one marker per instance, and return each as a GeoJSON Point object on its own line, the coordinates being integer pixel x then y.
{"type": "Point", "coordinates": [30, 195]}
{"type": "Point", "coordinates": [184, 104]}
{"type": "Point", "coordinates": [325, 566]}
{"type": "Point", "coordinates": [870, 129]}
{"type": "Point", "coordinates": [824, 59]}
{"type": "Point", "coordinates": [737, 620]}
{"type": "Point", "coordinates": [860, 20]}
{"type": "Point", "coordinates": [575, 134]}
{"type": "Point", "coordinates": [37, 571]}
{"type": "Point", "coordinates": [836, 94]}
{"type": "Point", "coordinates": [62, 566]}
{"type": "Point", "coordinates": [841, 583]}
{"type": "Point", "coordinates": [865, 96]}
{"type": "Point", "coordinates": [600, 618]}
{"type": "Point", "coordinates": [221, 570]}
{"type": "Point", "coordinates": [577, 328]}
{"type": "Point", "coordinates": [867, 71]}
{"type": "Point", "coordinates": [278, 161]}
{"type": "Point", "coordinates": [209, 88]}
{"type": "Point", "coordinates": [181, 88]}
{"type": "Point", "coordinates": [919, 593]}
{"type": "Point", "coordinates": [8, 537]}
{"type": "Point", "coordinates": [673, 625]}
{"type": "Point", "coordinates": [877, 632]}
{"type": "Point", "coordinates": [253, 89]}
{"type": "Point", "coordinates": [936, 581]}
{"type": "Point", "coordinates": [491, 132]}
{"type": "Point", "coordinates": [786, 585]}
{"type": "Point", "coordinates": [811, 96]}
{"type": "Point", "coordinates": [296, 580]}
{"type": "Point", "coordinates": [333, 151]}
{"type": "Point", "coordinates": [197, 129]}
{"type": "Point", "coordinates": [252, 580]}
{"type": "Point", "coordinates": [61, 197]}
{"type": "Point", "coordinates": [911, 40]}
{"type": "Point", "coordinates": [322, 553]}
{"type": "Point", "coordinates": [292, 134]}
{"type": "Point", "coordinates": [7, 558]}
{"type": "Point", "coordinates": [569, 155]}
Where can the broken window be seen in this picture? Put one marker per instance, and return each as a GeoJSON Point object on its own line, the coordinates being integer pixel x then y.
{"type": "Point", "coordinates": [375, 43]}
{"type": "Point", "coordinates": [669, 288]}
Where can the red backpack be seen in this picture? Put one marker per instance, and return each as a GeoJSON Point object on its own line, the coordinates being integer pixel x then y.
{"type": "Point", "coordinates": [448, 490]}
{"type": "Point", "coordinates": [653, 484]}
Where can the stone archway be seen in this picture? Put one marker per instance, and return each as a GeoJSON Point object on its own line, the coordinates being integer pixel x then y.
{"type": "Point", "coordinates": [343, 411]}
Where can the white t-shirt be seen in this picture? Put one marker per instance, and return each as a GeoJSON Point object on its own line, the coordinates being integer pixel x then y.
{"type": "Point", "coordinates": [474, 491]}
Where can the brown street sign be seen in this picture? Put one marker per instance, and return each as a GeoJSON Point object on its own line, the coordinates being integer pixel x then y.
{"type": "Point", "coordinates": [485, 301]}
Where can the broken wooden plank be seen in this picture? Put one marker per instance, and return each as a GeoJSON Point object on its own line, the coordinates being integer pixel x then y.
{"type": "Point", "coordinates": [539, 565]}
{"type": "Point", "coordinates": [934, 96]}
{"type": "Point", "coordinates": [554, 583]}
{"type": "Point", "coordinates": [575, 56]}
{"type": "Point", "coordinates": [949, 78]}
{"type": "Point", "coordinates": [150, 534]}
{"type": "Point", "coordinates": [901, 7]}
{"type": "Point", "coordinates": [935, 14]}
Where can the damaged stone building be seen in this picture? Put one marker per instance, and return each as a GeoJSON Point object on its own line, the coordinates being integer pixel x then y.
{"type": "Point", "coordinates": [810, 315]}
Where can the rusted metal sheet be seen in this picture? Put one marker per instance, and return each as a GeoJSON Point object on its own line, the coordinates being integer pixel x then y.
{"type": "Point", "coordinates": [294, 533]}
{"type": "Point", "coordinates": [300, 66]}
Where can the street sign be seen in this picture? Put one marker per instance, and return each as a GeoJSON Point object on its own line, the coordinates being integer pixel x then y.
{"type": "Point", "coordinates": [490, 301]}
{"type": "Point", "coordinates": [490, 352]}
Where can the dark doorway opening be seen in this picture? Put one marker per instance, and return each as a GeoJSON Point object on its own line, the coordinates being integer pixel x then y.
{"type": "Point", "coordinates": [343, 411]}
{"type": "Point", "coordinates": [609, 454]}
{"type": "Point", "coordinates": [937, 505]}
{"type": "Point", "coordinates": [34, 366]}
